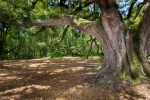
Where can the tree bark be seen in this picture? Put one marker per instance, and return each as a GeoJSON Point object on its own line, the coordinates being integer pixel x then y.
{"type": "Point", "coordinates": [145, 39]}
{"type": "Point", "coordinates": [122, 46]}
{"type": "Point", "coordinates": [112, 38]}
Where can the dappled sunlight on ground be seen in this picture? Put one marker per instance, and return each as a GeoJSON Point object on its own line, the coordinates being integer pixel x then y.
{"type": "Point", "coordinates": [43, 78]}
{"type": "Point", "coordinates": [55, 79]}
{"type": "Point", "coordinates": [144, 89]}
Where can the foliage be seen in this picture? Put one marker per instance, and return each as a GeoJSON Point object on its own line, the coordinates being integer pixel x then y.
{"type": "Point", "coordinates": [46, 41]}
{"type": "Point", "coordinates": [36, 42]}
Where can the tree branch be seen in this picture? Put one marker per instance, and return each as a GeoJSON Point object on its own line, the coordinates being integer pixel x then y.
{"type": "Point", "coordinates": [64, 34]}
{"type": "Point", "coordinates": [78, 23]}
{"type": "Point", "coordinates": [131, 8]}
{"type": "Point", "coordinates": [139, 10]}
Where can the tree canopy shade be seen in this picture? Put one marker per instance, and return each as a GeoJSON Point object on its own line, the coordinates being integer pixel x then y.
{"type": "Point", "coordinates": [121, 26]}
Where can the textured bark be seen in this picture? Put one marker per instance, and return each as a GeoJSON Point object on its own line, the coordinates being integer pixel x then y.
{"type": "Point", "coordinates": [121, 46]}
{"type": "Point", "coordinates": [145, 41]}
{"type": "Point", "coordinates": [113, 41]}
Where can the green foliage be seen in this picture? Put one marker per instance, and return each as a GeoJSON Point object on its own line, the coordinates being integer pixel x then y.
{"type": "Point", "coordinates": [45, 42]}
{"type": "Point", "coordinates": [133, 23]}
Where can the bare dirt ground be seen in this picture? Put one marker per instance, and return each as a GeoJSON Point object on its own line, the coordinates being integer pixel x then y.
{"type": "Point", "coordinates": [62, 79]}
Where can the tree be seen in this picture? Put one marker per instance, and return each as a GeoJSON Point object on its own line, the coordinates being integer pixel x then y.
{"type": "Point", "coordinates": [125, 40]}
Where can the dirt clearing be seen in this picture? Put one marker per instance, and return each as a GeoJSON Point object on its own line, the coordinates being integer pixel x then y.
{"type": "Point", "coordinates": [62, 79]}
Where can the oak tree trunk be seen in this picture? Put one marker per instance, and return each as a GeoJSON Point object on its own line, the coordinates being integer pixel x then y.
{"type": "Point", "coordinates": [124, 51]}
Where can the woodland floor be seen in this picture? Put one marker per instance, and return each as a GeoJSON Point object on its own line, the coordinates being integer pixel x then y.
{"type": "Point", "coordinates": [62, 79]}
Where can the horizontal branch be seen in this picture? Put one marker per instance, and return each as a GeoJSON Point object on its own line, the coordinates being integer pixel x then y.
{"type": "Point", "coordinates": [78, 23]}
{"type": "Point", "coordinates": [93, 28]}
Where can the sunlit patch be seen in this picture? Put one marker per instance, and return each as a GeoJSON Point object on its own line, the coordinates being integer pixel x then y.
{"type": "Point", "coordinates": [90, 73]}
{"type": "Point", "coordinates": [63, 81]}
{"type": "Point", "coordinates": [13, 64]}
{"type": "Point", "coordinates": [47, 60]}
{"type": "Point", "coordinates": [62, 65]}
{"type": "Point", "coordinates": [6, 78]}
{"type": "Point", "coordinates": [10, 97]}
{"type": "Point", "coordinates": [60, 98]}
{"type": "Point", "coordinates": [33, 65]}
{"type": "Point", "coordinates": [59, 70]}
{"type": "Point", "coordinates": [82, 62]}
{"type": "Point", "coordinates": [76, 90]}
{"type": "Point", "coordinates": [37, 65]}
{"type": "Point", "coordinates": [143, 89]}
{"type": "Point", "coordinates": [72, 69]}
{"type": "Point", "coordinates": [54, 63]}
{"type": "Point", "coordinates": [28, 89]}
{"type": "Point", "coordinates": [3, 74]}
{"type": "Point", "coordinates": [72, 90]}
{"type": "Point", "coordinates": [39, 72]}
{"type": "Point", "coordinates": [72, 58]}
{"type": "Point", "coordinates": [39, 59]}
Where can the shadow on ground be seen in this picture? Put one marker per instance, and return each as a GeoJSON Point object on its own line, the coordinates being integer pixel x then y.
{"type": "Point", "coordinates": [56, 79]}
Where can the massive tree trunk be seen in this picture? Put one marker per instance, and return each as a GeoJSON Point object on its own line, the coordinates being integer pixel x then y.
{"type": "Point", "coordinates": [124, 51]}
{"type": "Point", "coordinates": [144, 35]}
{"type": "Point", "coordinates": [113, 41]}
